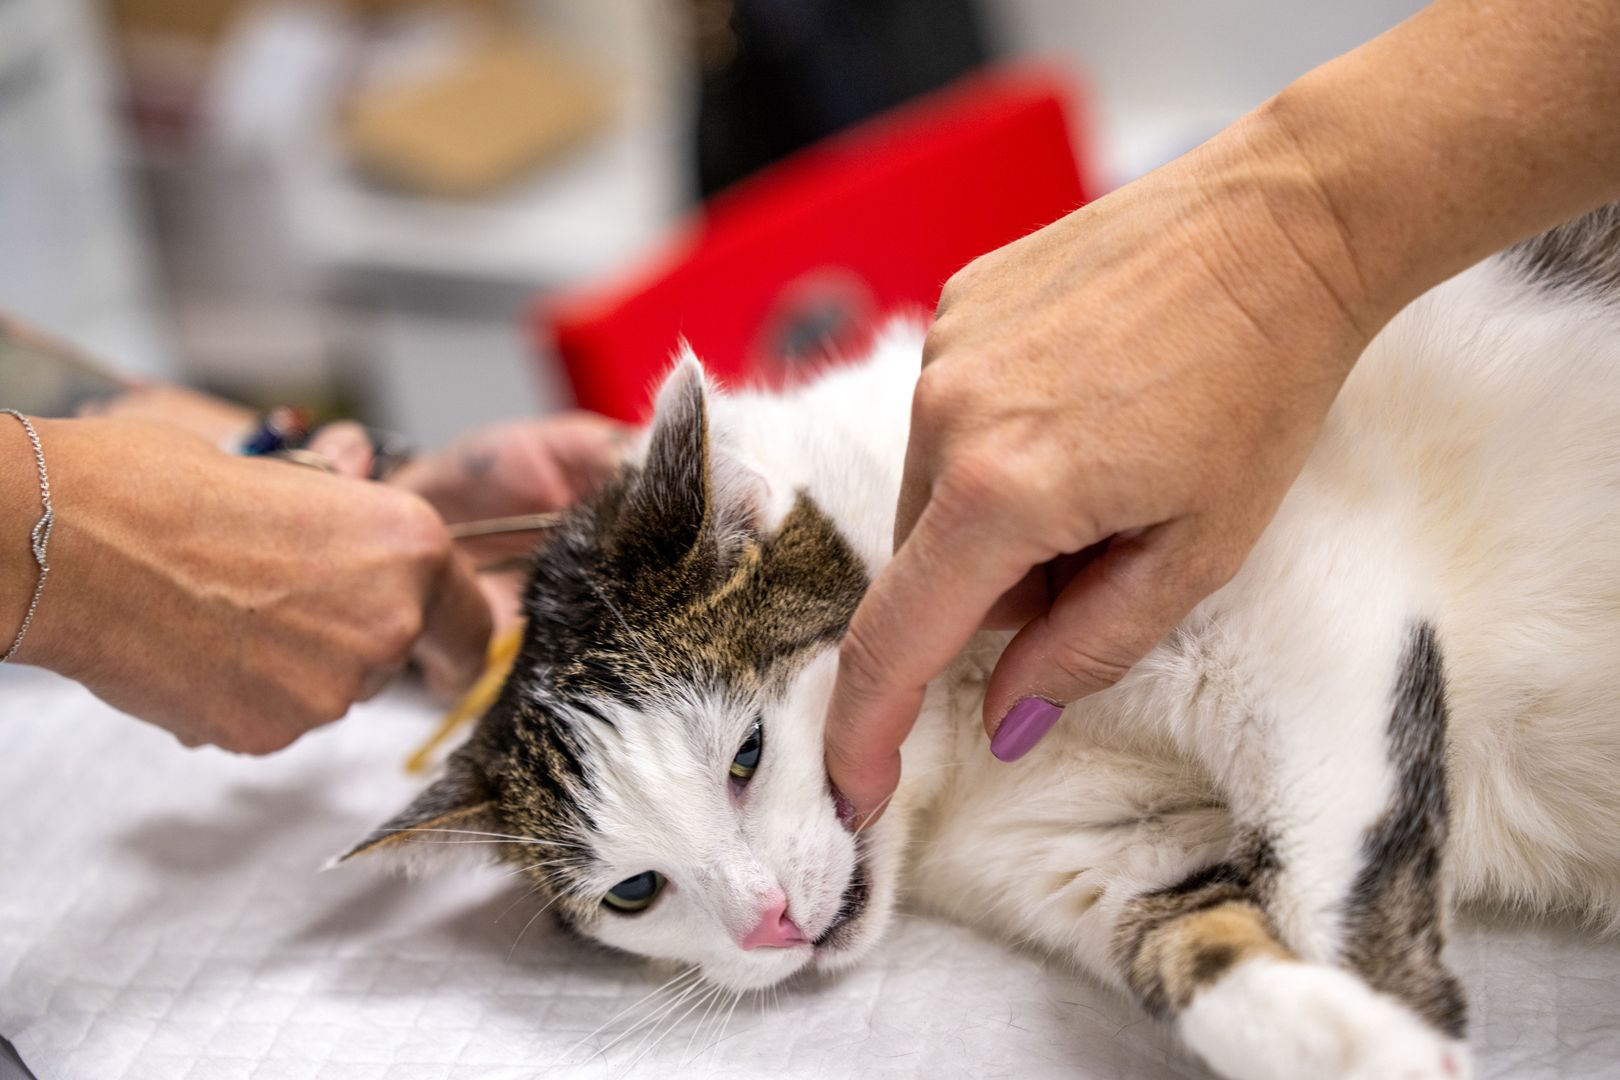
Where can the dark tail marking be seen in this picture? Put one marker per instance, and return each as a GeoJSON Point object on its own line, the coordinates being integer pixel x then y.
{"type": "Point", "coordinates": [1395, 915]}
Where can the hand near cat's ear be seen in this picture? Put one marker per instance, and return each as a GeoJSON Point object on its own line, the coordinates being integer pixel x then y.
{"type": "Point", "coordinates": [238, 601]}
{"type": "Point", "coordinates": [522, 467]}
{"type": "Point", "coordinates": [519, 467]}
{"type": "Point", "coordinates": [1109, 413]}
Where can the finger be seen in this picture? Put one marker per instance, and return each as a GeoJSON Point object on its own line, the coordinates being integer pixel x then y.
{"type": "Point", "coordinates": [455, 630]}
{"type": "Point", "coordinates": [1019, 604]}
{"type": "Point", "coordinates": [931, 598]}
{"type": "Point", "coordinates": [1119, 606]}
{"type": "Point", "coordinates": [593, 442]}
{"type": "Point", "coordinates": [1035, 591]}
{"type": "Point", "coordinates": [504, 593]}
{"type": "Point", "coordinates": [917, 478]}
{"type": "Point", "coordinates": [377, 680]}
{"type": "Point", "coordinates": [346, 445]}
{"type": "Point", "coordinates": [583, 450]}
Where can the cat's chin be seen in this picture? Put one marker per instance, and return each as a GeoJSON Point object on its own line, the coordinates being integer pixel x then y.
{"type": "Point", "coordinates": [868, 902]}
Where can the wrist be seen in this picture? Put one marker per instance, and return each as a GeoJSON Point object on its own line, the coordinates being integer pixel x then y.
{"type": "Point", "coordinates": [1292, 200]}
{"type": "Point", "coordinates": [63, 635]}
{"type": "Point", "coordinates": [1331, 200]}
{"type": "Point", "coordinates": [1459, 132]}
{"type": "Point", "coordinates": [19, 511]}
{"type": "Point", "coordinates": [1264, 231]}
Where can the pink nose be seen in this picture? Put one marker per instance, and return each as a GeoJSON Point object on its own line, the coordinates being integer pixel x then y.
{"type": "Point", "coordinates": [775, 930]}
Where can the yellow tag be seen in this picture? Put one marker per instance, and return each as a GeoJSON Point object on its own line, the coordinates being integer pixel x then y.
{"type": "Point", "coordinates": [503, 651]}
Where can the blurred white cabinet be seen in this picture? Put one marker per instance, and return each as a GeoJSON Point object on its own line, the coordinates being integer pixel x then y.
{"type": "Point", "coordinates": [72, 256]}
{"type": "Point", "coordinates": [1167, 74]}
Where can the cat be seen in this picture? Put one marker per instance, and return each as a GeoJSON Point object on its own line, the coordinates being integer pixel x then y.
{"type": "Point", "coordinates": [1405, 700]}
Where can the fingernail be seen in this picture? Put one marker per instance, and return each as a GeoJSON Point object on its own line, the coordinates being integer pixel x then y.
{"type": "Point", "coordinates": [1025, 724]}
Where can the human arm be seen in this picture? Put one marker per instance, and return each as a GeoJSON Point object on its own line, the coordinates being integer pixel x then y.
{"type": "Point", "coordinates": [232, 601]}
{"type": "Point", "coordinates": [1112, 408]}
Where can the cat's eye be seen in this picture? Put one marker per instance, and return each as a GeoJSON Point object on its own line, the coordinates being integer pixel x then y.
{"type": "Point", "coordinates": [746, 762]}
{"type": "Point", "coordinates": [635, 894]}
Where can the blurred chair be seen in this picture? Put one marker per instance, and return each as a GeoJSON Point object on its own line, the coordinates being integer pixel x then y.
{"type": "Point", "coordinates": [800, 263]}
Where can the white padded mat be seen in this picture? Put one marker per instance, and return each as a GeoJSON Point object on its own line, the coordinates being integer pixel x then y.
{"type": "Point", "coordinates": [161, 918]}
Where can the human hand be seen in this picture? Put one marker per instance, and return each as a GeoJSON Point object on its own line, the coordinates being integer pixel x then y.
{"type": "Point", "coordinates": [1110, 411]}
{"type": "Point", "coordinates": [236, 601]}
{"type": "Point", "coordinates": [522, 467]}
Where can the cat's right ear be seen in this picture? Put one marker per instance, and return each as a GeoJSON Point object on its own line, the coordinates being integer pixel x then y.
{"type": "Point", "coordinates": [694, 487]}
{"type": "Point", "coordinates": [454, 810]}
{"type": "Point", "coordinates": [670, 498]}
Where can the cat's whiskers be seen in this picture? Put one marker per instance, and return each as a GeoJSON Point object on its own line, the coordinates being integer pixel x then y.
{"type": "Point", "coordinates": [714, 999]}
{"type": "Point", "coordinates": [629, 635]}
{"type": "Point", "coordinates": [543, 909]}
{"type": "Point", "coordinates": [557, 845]}
{"type": "Point", "coordinates": [616, 1017]}
{"type": "Point", "coordinates": [882, 805]}
{"type": "Point", "coordinates": [501, 837]}
{"type": "Point", "coordinates": [526, 894]}
{"type": "Point", "coordinates": [525, 868]}
{"type": "Point", "coordinates": [643, 1051]}
{"type": "Point", "coordinates": [531, 843]}
{"type": "Point", "coordinates": [654, 1018]}
{"type": "Point", "coordinates": [720, 1037]}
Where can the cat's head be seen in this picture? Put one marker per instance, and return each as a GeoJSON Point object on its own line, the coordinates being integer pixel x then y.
{"type": "Point", "coordinates": [658, 746]}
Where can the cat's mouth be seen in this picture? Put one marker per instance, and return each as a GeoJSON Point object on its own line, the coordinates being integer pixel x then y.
{"type": "Point", "coordinates": [850, 907]}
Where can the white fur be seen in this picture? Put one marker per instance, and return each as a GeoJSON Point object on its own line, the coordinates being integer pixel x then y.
{"type": "Point", "coordinates": [1272, 1020]}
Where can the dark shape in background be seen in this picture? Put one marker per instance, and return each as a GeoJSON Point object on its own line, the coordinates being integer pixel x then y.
{"type": "Point", "coordinates": [777, 75]}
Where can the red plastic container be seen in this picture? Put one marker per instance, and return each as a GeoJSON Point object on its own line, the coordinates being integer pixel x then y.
{"type": "Point", "coordinates": [800, 262]}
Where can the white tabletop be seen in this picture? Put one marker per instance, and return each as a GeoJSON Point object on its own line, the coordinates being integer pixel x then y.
{"type": "Point", "coordinates": [162, 917]}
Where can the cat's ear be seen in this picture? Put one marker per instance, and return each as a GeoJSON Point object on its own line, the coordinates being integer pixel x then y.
{"type": "Point", "coordinates": [456, 807]}
{"type": "Point", "coordinates": [694, 485]}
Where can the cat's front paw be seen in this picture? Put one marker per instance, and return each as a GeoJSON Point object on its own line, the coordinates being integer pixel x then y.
{"type": "Point", "coordinates": [1281, 1020]}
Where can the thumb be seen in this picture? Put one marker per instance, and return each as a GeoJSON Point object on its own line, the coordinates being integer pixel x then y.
{"type": "Point", "coordinates": [456, 630]}
{"type": "Point", "coordinates": [346, 445]}
{"type": "Point", "coordinates": [1117, 608]}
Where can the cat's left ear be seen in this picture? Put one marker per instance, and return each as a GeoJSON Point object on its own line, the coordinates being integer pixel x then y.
{"type": "Point", "coordinates": [456, 807]}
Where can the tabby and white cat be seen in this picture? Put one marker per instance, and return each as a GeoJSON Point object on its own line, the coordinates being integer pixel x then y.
{"type": "Point", "coordinates": [1405, 699]}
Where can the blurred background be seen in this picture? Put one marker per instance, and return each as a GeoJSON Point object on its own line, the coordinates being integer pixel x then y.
{"type": "Point", "coordinates": [430, 214]}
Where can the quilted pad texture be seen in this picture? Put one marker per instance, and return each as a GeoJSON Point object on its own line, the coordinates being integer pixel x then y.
{"type": "Point", "coordinates": [162, 917]}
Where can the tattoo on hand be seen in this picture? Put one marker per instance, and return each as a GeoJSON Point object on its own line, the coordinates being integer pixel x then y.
{"type": "Point", "coordinates": [477, 464]}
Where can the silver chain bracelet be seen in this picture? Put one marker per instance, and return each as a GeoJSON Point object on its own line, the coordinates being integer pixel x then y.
{"type": "Point", "coordinates": [41, 533]}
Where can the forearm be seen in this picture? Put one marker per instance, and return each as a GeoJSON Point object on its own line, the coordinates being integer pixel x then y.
{"type": "Point", "coordinates": [1465, 129]}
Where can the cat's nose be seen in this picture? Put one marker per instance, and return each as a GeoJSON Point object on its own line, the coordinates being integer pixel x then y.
{"type": "Point", "coordinates": [775, 930]}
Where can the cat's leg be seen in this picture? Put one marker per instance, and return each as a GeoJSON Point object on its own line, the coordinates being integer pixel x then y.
{"type": "Point", "coordinates": [1324, 718]}
{"type": "Point", "coordinates": [1121, 867]}
{"type": "Point", "coordinates": [1306, 941]}
{"type": "Point", "coordinates": [1204, 953]}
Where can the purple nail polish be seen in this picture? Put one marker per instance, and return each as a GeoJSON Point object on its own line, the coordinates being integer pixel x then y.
{"type": "Point", "coordinates": [1025, 724]}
